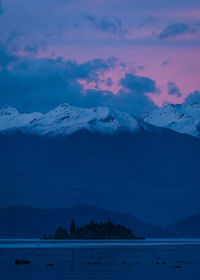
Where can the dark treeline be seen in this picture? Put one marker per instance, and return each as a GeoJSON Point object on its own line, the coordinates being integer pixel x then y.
{"type": "Point", "coordinates": [107, 230]}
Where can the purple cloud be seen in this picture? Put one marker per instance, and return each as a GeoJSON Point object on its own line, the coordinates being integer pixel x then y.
{"type": "Point", "coordinates": [176, 29]}
{"type": "Point", "coordinates": [139, 84]}
{"type": "Point", "coordinates": [39, 84]}
{"type": "Point", "coordinates": [173, 89]}
{"type": "Point", "coordinates": [112, 25]}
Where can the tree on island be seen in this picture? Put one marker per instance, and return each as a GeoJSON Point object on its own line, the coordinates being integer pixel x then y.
{"type": "Point", "coordinates": [72, 227]}
{"type": "Point", "coordinates": [107, 230]}
{"type": "Point", "coordinates": [60, 233]}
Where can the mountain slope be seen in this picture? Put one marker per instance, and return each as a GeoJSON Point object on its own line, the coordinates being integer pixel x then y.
{"type": "Point", "coordinates": [184, 118]}
{"type": "Point", "coordinates": [152, 174]}
{"type": "Point", "coordinates": [101, 157]}
{"type": "Point", "coordinates": [10, 118]}
{"type": "Point", "coordinates": [29, 222]}
{"type": "Point", "coordinates": [188, 227]}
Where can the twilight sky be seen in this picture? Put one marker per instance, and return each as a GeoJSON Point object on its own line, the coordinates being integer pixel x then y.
{"type": "Point", "coordinates": [130, 54]}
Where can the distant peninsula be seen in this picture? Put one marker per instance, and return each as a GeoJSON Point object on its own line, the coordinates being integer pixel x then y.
{"type": "Point", "coordinates": [107, 230]}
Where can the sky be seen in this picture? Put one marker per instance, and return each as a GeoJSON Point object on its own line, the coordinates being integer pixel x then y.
{"type": "Point", "coordinates": [134, 55]}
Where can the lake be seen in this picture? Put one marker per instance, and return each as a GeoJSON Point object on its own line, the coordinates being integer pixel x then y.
{"type": "Point", "coordinates": [81, 260]}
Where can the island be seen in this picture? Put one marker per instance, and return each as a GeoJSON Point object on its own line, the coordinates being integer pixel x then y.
{"type": "Point", "coordinates": [106, 230]}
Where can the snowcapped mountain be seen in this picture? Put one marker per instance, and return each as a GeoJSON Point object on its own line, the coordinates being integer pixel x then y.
{"type": "Point", "coordinates": [184, 118]}
{"type": "Point", "coordinates": [10, 118]}
{"type": "Point", "coordinates": [151, 166]}
{"type": "Point", "coordinates": [66, 119]}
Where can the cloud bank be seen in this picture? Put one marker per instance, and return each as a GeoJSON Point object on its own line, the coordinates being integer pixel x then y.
{"type": "Point", "coordinates": [39, 84]}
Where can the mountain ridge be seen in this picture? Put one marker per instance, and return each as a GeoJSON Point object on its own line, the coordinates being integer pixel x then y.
{"type": "Point", "coordinates": [66, 120]}
{"type": "Point", "coordinates": [144, 170]}
{"type": "Point", "coordinates": [183, 118]}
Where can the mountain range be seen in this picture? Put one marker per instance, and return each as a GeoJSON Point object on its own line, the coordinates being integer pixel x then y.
{"type": "Point", "coordinates": [66, 120]}
{"type": "Point", "coordinates": [103, 157]}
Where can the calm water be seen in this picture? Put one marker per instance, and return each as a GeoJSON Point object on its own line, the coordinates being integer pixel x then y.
{"type": "Point", "coordinates": [78, 260]}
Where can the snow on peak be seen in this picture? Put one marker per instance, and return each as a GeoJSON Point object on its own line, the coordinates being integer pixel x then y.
{"type": "Point", "coordinates": [11, 118]}
{"type": "Point", "coordinates": [184, 118]}
{"type": "Point", "coordinates": [7, 111]}
{"type": "Point", "coordinates": [66, 119]}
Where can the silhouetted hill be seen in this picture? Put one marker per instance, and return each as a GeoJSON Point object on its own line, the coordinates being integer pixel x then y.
{"type": "Point", "coordinates": [29, 222]}
{"type": "Point", "coordinates": [188, 227]}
